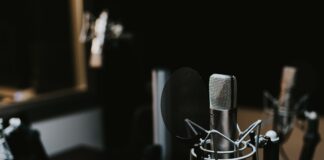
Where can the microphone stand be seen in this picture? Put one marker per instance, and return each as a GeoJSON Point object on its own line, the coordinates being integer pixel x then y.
{"type": "Point", "coordinates": [271, 148]}
{"type": "Point", "coordinates": [311, 137]}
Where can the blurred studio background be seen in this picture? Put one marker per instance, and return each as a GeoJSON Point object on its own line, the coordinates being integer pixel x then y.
{"type": "Point", "coordinates": [88, 105]}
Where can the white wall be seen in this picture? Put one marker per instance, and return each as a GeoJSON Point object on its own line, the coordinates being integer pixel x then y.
{"type": "Point", "coordinates": [68, 131]}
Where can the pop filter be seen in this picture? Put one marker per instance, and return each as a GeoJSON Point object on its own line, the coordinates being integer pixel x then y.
{"type": "Point", "coordinates": [185, 98]}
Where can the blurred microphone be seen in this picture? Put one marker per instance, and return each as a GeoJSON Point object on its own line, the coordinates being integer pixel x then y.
{"type": "Point", "coordinates": [98, 40]}
{"type": "Point", "coordinates": [283, 117]}
{"type": "Point", "coordinates": [223, 113]}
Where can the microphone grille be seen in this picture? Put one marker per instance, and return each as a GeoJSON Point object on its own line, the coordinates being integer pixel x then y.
{"type": "Point", "coordinates": [222, 92]}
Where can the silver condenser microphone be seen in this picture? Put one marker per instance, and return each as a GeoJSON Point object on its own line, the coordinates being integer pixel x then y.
{"type": "Point", "coordinates": [223, 113]}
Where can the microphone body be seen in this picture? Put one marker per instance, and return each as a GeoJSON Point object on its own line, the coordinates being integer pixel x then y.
{"type": "Point", "coordinates": [224, 122]}
{"type": "Point", "coordinates": [223, 113]}
{"type": "Point", "coordinates": [283, 117]}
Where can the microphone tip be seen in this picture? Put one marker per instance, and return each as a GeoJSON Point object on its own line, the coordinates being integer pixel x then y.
{"type": "Point", "coordinates": [222, 92]}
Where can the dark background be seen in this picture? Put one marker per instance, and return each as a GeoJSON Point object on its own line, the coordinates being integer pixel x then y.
{"type": "Point", "coordinates": [252, 43]}
{"type": "Point", "coordinates": [35, 45]}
